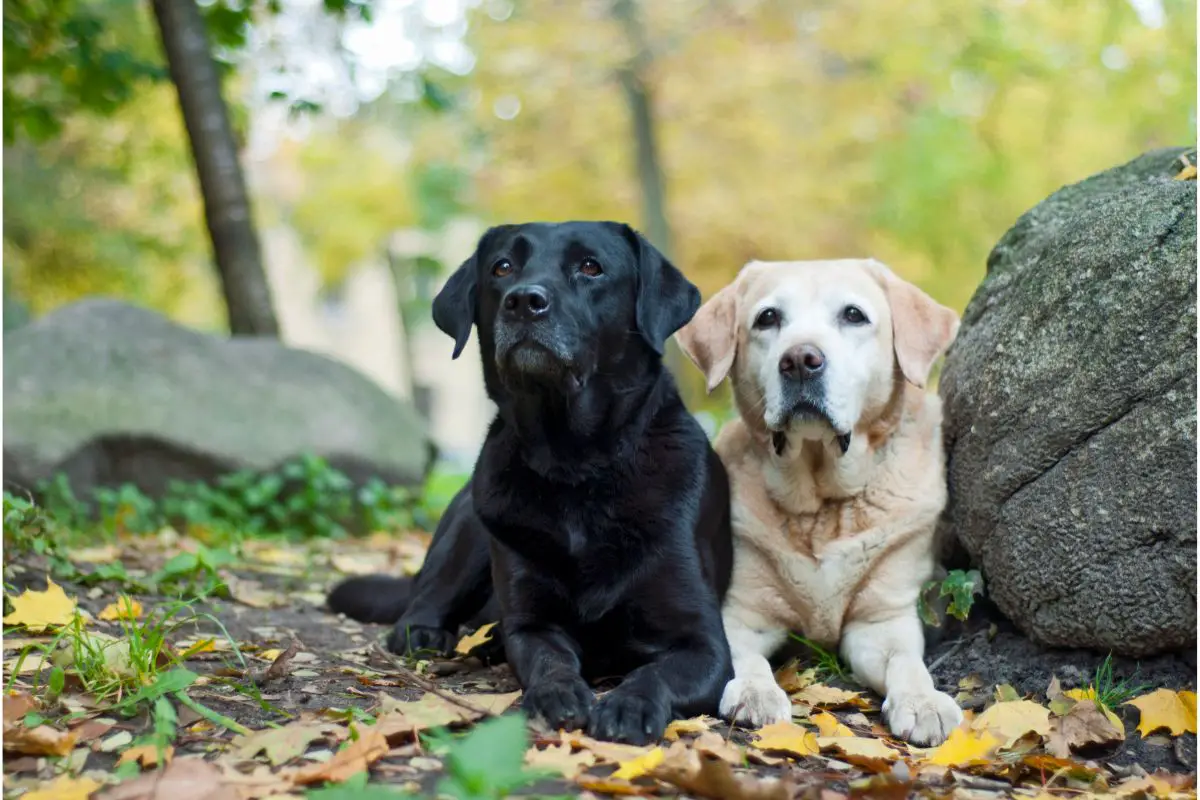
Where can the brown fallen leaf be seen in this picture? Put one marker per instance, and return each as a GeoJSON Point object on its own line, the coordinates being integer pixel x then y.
{"type": "Point", "coordinates": [469, 642]}
{"type": "Point", "coordinates": [185, 779]}
{"type": "Point", "coordinates": [818, 694]}
{"type": "Point", "coordinates": [283, 744]}
{"type": "Point", "coordinates": [870, 754]}
{"type": "Point", "coordinates": [791, 679]}
{"type": "Point", "coordinates": [606, 752]}
{"type": "Point", "coordinates": [400, 720]}
{"type": "Point", "coordinates": [17, 705]}
{"type": "Point", "coordinates": [146, 755]}
{"type": "Point", "coordinates": [40, 740]}
{"type": "Point", "coordinates": [1084, 725]}
{"type": "Point", "coordinates": [1165, 708]}
{"type": "Point", "coordinates": [708, 776]}
{"type": "Point", "coordinates": [787, 737]}
{"type": "Point", "coordinates": [63, 788]}
{"type": "Point", "coordinates": [1010, 720]}
{"type": "Point", "coordinates": [560, 759]}
{"type": "Point", "coordinates": [356, 757]}
{"type": "Point", "coordinates": [280, 667]}
{"type": "Point", "coordinates": [714, 744]}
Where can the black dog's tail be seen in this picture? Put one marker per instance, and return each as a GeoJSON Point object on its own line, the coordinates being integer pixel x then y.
{"type": "Point", "coordinates": [372, 598]}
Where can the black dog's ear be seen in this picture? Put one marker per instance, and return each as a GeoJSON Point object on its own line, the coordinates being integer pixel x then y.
{"type": "Point", "coordinates": [454, 306]}
{"type": "Point", "coordinates": [666, 300]}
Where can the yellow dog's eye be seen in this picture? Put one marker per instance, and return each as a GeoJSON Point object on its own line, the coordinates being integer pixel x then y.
{"type": "Point", "coordinates": [767, 318]}
{"type": "Point", "coordinates": [853, 315]}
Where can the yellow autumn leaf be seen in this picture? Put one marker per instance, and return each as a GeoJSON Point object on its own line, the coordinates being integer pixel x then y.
{"type": "Point", "coordinates": [858, 747]}
{"type": "Point", "coordinates": [1089, 693]}
{"type": "Point", "coordinates": [829, 725]}
{"type": "Point", "coordinates": [964, 748]}
{"type": "Point", "coordinates": [1165, 708]}
{"type": "Point", "coordinates": [637, 767]}
{"type": "Point", "coordinates": [693, 725]}
{"type": "Point", "coordinates": [787, 737]}
{"type": "Point", "coordinates": [270, 655]}
{"type": "Point", "coordinates": [560, 759]}
{"type": "Point", "coordinates": [469, 642]}
{"type": "Point", "coordinates": [818, 694]}
{"type": "Point", "coordinates": [1013, 719]}
{"type": "Point", "coordinates": [146, 755]}
{"type": "Point", "coordinates": [124, 608]}
{"type": "Point", "coordinates": [39, 611]}
{"type": "Point", "coordinates": [64, 788]}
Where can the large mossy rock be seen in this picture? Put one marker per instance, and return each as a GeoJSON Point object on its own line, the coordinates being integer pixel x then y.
{"type": "Point", "coordinates": [1070, 399]}
{"type": "Point", "coordinates": [109, 393]}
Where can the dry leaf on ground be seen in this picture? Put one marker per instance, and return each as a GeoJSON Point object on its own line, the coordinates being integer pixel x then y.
{"type": "Point", "coordinates": [963, 748]}
{"type": "Point", "coordinates": [282, 744]}
{"type": "Point", "coordinates": [40, 611]}
{"type": "Point", "coordinates": [608, 752]}
{"type": "Point", "coordinates": [1165, 708]}
{"type": "Point", "coordinates": [469, 642]}
{"type": "Point", "coordinates": [64, 788]}
{"type": "Point", "coordinates": [693, 725]}
{"type": "Point", "coordinates": [870, 754]}
{"type": "Point", "coordinates": [1084, 725]}
{"type": "Point", "coordinates": [609, 785]}
{"type": "Point", "coordinates": [640, 765]}
{"type": "Point", "coordinates": [184, 779]}
{"type": "Point", "coordinates": [399, 720]}
{"type": "Point", "coordinates": [715, 744]}
{"type": "Point", "coordinates": [708, 776]}
{"type": "Point", "coordinates": [124, 608]}
{"type": "Point", "coordinates": [829, 725]}
{"type": "Point", "coordinates": [560, 759]}
{"type": "Point", "coordinates": [818, 694]}
{"type": "Point", "coordinates": [146, 755]}
{"type": "Point", "coordinates": [1013, 719]}
{"type": "Point", "coordinates": [40, 740]}
{"type": "Point", "coordinates": [787, 737]}
{"type": "Point", "coordinates": [356, 757]}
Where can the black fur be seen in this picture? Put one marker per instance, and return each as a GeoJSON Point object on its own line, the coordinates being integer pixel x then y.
{"type": "Point", "coordinates": [597, 517]}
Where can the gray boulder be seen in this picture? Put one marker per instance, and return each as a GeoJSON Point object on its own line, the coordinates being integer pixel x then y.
{"type": "Point", "coordinates": [109, 393]}
{"type": "Point", "coordinates": [1070, 398]}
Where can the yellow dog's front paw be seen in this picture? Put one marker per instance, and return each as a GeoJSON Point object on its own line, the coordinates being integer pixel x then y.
{"type": "Point", "coordinates": [755, 701]}
{"type": "Point", "coordinates": [923, 719]}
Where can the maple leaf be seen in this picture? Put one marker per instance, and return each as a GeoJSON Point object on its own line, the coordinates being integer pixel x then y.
{"type": "Point", "coordinates": [639, 766]}
{"type": "Point", "coordinates": [356, 757]}
{"type": "Point", "coordinates": [469, 642]}
{"type": "Point", "coordinates": [1084, 725]}
{"type": "Point", "coordinates": [694, 725]}
{"type": "Point", "coordinates": [146, 755]}
{"type": "Point", "coordinates": [281, 744]}
{"type": "Point", "coordinates": [705, 776]}
{"type": "Point", "coordinates": [560, 759]}
{"type": "Point", "coordinates": [64, 788]}
{"type": "Point", "coordinates": [40, 611]}
{"type": "Point", "coordinates": [1013, 719]}
{"type": "Point", "coordinates": [124, 608]}
{"type": "Point", "coordinates": [829, 725]}
{"type": "Point", "coordinates": [964, 747]}
{"type": "Point", "coordinates": [871, 754]}
{"type": "Point", "coordinates": [1165, 708]}
{"type": "Point", "coordinates": [787, 737]}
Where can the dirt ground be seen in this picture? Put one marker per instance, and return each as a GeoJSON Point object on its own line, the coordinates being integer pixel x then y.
{"type": "Point", "coordinates": [278, 598]}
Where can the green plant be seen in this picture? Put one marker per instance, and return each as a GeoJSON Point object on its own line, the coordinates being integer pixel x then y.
{"type": "Point", "coordinates": [1110, 692]}
{"type": "Point", "coordinates": [194, 574]}
{"type": "Point", "coordinates": [487, 762]}
{"type": "Point", "coordinates": [960, 586]}
{"type": "Point", "coordinates": [827, 663]}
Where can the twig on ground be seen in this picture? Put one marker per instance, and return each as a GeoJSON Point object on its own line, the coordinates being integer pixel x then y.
{"type": "Point", "coordinates": [937, 662]}
{"type": "Point", "coordinates": [414, 680]}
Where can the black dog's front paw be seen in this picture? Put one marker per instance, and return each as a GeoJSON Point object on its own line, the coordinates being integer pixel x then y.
{"type": "Point", "coordinates": [408, 639]}
{"type": "Point", "coordinates": [626, 716]}
{"type": "Point", "coordinates": [562, 703]}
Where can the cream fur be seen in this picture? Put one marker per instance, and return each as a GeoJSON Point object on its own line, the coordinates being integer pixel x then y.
{"type": "Point", "coordinates": [835, 546]}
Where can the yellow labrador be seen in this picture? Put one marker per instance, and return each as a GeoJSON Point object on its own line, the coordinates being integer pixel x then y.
{"type": "Point", "coordinates": [837, 473]}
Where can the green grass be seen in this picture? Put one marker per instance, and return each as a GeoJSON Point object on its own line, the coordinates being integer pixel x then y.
{"type": "Point", "coordinates": [1111, 692]}
{"type": "Point", "coordinates": [826, 662]}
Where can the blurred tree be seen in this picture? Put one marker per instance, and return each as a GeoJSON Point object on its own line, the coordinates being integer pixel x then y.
{"type": "Point", "coordinates": [226, 203]}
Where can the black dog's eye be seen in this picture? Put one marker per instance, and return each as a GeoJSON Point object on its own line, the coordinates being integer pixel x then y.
{"type": "Point", "coordinates": [502, 268]}
{"type": "Point", "coordinates": [767, 318]}
{"type": "Point", "coordinates": [591, 267]}
{"type": "Point", "coordinates": [853, 315]}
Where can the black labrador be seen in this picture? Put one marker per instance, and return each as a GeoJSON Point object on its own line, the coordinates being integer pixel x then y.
{"type": "Point", "coordinates": [598, 514]}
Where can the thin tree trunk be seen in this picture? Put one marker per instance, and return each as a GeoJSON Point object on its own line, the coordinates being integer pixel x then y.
{"type": "Point", "coordinates": [226, 203]}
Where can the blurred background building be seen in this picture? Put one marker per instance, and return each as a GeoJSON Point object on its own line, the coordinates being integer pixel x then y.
{"type": "Point", "coordinates": [379, 139]}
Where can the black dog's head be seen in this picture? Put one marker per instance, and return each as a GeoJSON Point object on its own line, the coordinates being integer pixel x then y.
{"type": "Point", "coordinates": [558, 303]}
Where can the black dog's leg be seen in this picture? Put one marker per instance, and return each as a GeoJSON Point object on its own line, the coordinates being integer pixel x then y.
{"type": "Point", "coordinates": [453, 585]}
{"type": "Point", "coordinates": [686, 680]}
{"type": "Point", "coordinates": [546, 662]}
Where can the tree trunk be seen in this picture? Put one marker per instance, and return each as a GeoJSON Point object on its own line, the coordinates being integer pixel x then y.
{"type": "Point", "coordinates": [222, 184]}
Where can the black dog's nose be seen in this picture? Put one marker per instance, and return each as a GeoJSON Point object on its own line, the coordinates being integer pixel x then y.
{"type": "Point", "coordinates": [802, 361]}
{"type": "Point", "coordinates": [527, 302]}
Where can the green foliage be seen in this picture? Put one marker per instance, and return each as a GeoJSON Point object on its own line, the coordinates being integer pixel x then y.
{"type": "Point", "coordinates": [356, 788]}
{"type": "Point", "coordinates": [960, 586]}
{"type": "Point", "coordinates": [826, 662]}
{"type": "Point", "coordinates": [1110, 691]}
{"type": "Point", "coordinates": [488, 762]}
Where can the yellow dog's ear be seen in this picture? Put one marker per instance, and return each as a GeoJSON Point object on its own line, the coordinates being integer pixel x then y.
{"type": "Point", "coordinates": [922, 328]}
{"type": "Point", "coordinates": [710, 339]}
